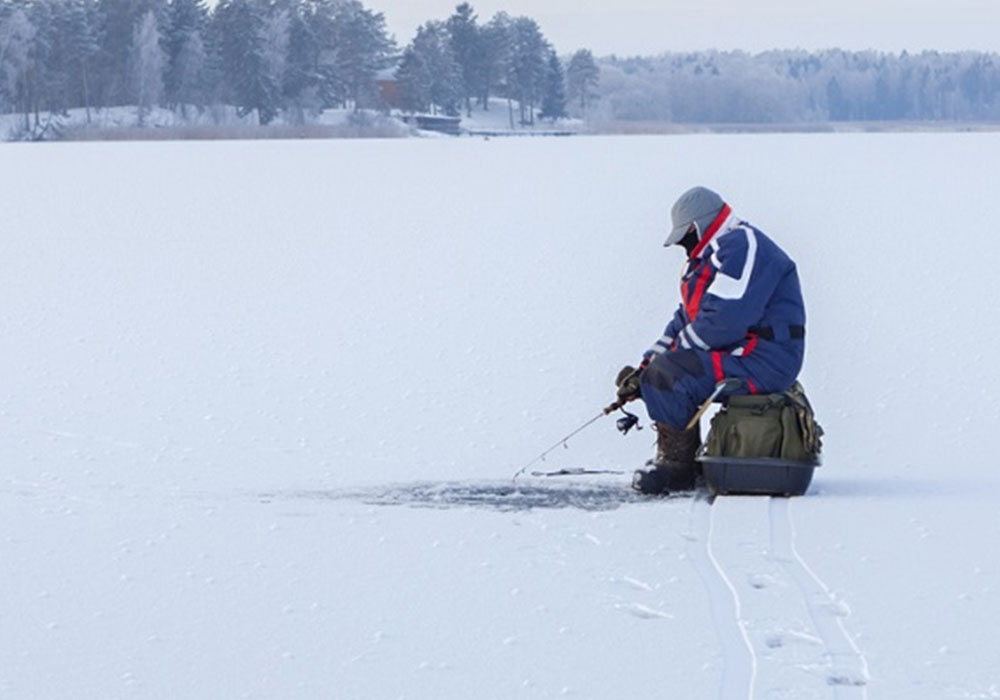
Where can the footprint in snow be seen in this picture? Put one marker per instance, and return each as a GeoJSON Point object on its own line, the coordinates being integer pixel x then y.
{"type": "Point", "coordinates": [645, 613]}
{"type": "Point", "coordinates": [761, 581]}
{"type": "Point", "coordinates": [842, 678]}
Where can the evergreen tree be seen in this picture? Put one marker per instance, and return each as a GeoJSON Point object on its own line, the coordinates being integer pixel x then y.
{"type": "Point", "coordinates": [320, 59]}
{"type": "Point", "coordinates": [465, 39]}
{"type": "Point", "coordinates": [299, 85]}
{"type": "Point", "coordinates": [189, 73]}
{"type": "Point", "coordinates": [240, 27]}
{"type": "Point", "coordinates": [413, 82]}
{"type": "Point", "coordinates": [443, 76]}
{"type": "Point", "coordinates": [528, 66]}
{"type": "Point", "coordinates": [50, 79]}
{"type": "Point", "coordinates": [186, 79]}
{"type": "Point", "coordinates": [496, 42]}
{"type": "Point", "coordinates": [362, 49]}
{"type": "Point", "coordinates": [80, 49]}
{"type": "Point", "coordinates": [553, 90]}
{"type": "Point", "coordinates": [582, 79]}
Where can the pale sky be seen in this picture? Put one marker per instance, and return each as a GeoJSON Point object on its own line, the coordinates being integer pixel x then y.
{"type": "Point", "coordinates": [646, 27]}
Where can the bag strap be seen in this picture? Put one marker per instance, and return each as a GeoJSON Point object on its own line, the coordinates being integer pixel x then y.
{"type": "Point", "coordinates": [810, 429]}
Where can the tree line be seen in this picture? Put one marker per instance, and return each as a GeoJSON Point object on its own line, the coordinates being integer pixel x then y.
{"type": "Point", "coordinates": [451, 64]}
{"type": "Point", "coordinates": [295, 58]}
{"type": "Point", "coordinates": [788, 87]}
{"type": "Point", "coordinates": [270, 57]}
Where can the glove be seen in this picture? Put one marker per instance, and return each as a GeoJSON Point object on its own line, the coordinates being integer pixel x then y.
{"type": "Point", "coordinates": [627, 382]}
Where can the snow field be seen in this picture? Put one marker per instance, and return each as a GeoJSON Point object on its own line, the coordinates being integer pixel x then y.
{"type": "Point", "coordinates": [261, 402]}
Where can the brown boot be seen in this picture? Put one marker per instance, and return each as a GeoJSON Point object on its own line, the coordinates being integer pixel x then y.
{"type": "Point", "coordinates": [674, 468]}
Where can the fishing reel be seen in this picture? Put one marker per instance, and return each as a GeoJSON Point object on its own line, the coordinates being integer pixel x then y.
{"type": "Point", "coordinates": [627, 422]}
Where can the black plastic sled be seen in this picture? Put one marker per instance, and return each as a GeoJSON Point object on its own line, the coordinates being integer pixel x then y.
{"type": "Point", "coordinates": [757, 475]}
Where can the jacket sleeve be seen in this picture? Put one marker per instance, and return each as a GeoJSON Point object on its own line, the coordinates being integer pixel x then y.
{"type": "Point", "coordinates": [665, 341]}
{"type": "Point", "coordinates": [735, 298]}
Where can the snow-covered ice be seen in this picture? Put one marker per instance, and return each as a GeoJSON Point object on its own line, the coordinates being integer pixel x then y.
{"type": "Point", "coordinates": [261, 401]}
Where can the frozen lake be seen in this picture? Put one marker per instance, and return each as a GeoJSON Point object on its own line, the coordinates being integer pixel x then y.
{"type": "Point", "coordinates": [261, 402]}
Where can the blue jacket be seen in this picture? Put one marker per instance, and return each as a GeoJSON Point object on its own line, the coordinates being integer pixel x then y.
{"type": "Point", "coordinates": [741, 306]}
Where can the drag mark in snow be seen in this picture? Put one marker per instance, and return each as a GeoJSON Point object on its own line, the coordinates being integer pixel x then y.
{"type": "Point", "coordinates": [739, 662]}
{"type": "Point", "coordinates": [848, 673]}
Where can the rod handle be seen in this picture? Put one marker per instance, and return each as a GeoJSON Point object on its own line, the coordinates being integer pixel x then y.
{"type": "Point", "coordinates": [620, 403]}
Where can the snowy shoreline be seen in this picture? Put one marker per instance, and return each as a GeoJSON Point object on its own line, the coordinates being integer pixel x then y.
{"type": "Point", "coordinates": [120, 124]}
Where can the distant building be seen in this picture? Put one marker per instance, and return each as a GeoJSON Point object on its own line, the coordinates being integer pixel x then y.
{"type": "Point", "coordinates": [388, 97]}
{"type": "Point", "coordinates": [388, 88]}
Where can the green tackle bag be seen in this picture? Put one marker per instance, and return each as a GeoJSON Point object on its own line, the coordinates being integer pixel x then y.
{"type": "Point", "coordinates": [778, 426]}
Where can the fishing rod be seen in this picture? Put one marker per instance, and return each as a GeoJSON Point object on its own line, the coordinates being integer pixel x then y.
{"type": "Point", "coordinates": [624, 424]}
{"type": "Point", "coordinates": [630, 420]}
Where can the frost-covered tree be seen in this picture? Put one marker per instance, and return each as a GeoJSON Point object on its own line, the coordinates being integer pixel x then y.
{"type": "Point", "coordinates": [582, 79]}
{"type": "Point", "coordinates": [149, 62]}
{"type": "Point", "coordinates": [274, 37]}
{"type": "Point", "coordinates": [116, 24]}
{"type": "Point", "coordinates": [17, 35]}
{"type": "Point", "coordinates": [797, 86]}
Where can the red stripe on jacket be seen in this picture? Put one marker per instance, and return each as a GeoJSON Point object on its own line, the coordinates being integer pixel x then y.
{"type": "Point", "coordinates": [717, 366]}
{"type": "Point", "coordinates": [712, 230]}
{"type": "Point", "coordinates": [693, 305]}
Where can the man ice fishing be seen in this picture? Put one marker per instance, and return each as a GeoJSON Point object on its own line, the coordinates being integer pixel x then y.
{"type": "Point", "coordinates": [741, 316]}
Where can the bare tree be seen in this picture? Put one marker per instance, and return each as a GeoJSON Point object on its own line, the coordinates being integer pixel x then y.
{"type": "Point", "coordinates": [149, 61]}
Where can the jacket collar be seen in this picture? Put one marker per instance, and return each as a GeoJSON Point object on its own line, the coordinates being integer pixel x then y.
{"type": "Point", "coordinates": [723, 222]}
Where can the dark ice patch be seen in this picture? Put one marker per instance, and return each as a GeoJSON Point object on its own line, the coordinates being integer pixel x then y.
{"type": "Point", "coordinates": [497, 496]}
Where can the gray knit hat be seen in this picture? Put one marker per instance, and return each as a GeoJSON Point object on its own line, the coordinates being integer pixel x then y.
{"type": "Point", "coordinates": [700, 206]}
